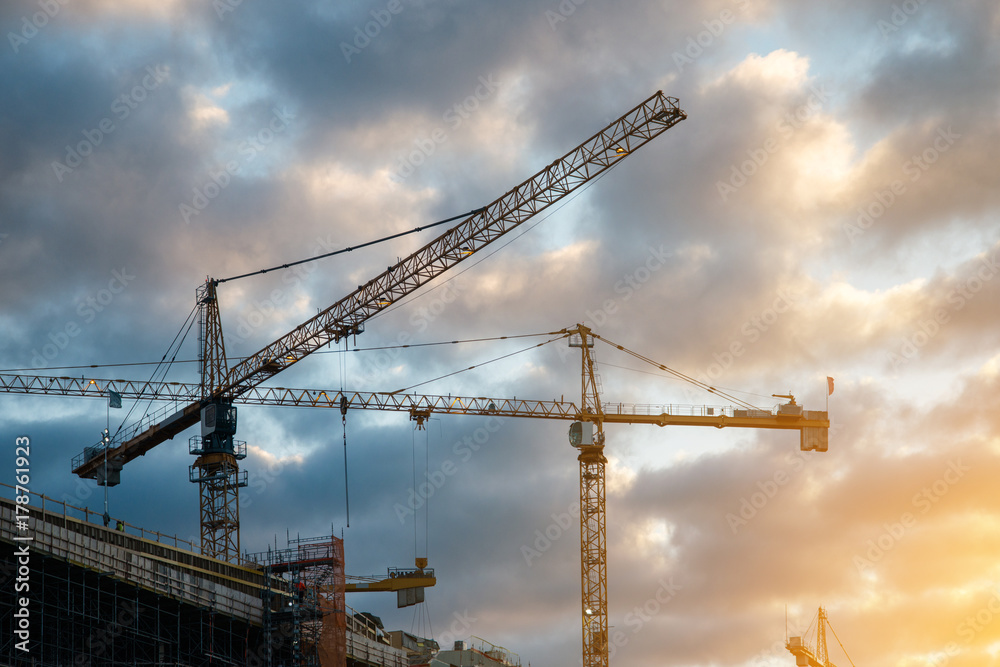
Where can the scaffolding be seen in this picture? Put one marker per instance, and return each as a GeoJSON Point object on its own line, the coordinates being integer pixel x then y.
{"type": "Point", "coordinates": [304, 598]}
{"type": "Point", "coordinates": [99, 597]}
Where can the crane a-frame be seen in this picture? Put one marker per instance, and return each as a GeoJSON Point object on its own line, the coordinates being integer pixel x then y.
{"type": "Point", "coordinates": [217, 469]}
{"type": "Point", "coordinates": [805, 655]}
{"type": "Point", "coordinates": [589, 415]}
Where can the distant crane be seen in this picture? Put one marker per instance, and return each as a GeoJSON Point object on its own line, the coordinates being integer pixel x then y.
{"type": "Point", "coordinates": [805, 656]}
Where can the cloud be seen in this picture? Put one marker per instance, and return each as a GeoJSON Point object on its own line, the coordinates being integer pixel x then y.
{"type": "Point", "coordinates": [827, 208]}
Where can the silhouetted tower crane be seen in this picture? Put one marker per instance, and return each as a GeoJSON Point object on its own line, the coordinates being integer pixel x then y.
{"type": "Point", "coordinates": [217, 470]}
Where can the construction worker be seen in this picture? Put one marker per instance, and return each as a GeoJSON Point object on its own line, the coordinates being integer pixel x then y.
{"type": "Point", "coordinates": [120, 525]}
{"type": "Point", "coordinates": [300, 590]}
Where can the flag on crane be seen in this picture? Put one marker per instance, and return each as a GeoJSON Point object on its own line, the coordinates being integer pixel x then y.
{"type": "Point", "coordinates": [114, 399]}
{"type": "Point", "coordinates": [829, 386]}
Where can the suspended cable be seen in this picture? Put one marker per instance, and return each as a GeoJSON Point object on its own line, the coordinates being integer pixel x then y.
{"type": "Point", "coordinates": [350, 248]}
{"type": "Point", "coordinates": [413, 452]}
{"type": "Point", "coordinates": [443, 342]}
{"type": "Point", "coordinates": [840, 642]}
{"type": "Point", "coordinates": [505, 356]}
{"type": "Point", "coordinates": [678, 374]}
{"type": "Point", "coordinates": [479, 258]}
{"type": "Point", "coordinates": [188, 322]}
{"type": "Point", "coordinates": [639, 370]}
{"type": "Point", "coordinates": [340, 352]}
{"type": "Point", "coordinates": [347, 492]}
{"type": "Point", "coordinates": [427, 476]}
{"type": "Point", "coordinates": [343, 416]}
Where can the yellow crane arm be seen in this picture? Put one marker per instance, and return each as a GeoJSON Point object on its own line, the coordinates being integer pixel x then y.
{"type": "Point", "coordinates": [398, 580]}
{"type": "Point", "coordinates": [803, 656]}
{"type": "Point", "coordinates": [420, 406]}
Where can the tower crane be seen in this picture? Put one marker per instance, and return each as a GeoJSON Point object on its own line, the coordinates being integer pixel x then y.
{"type": "Point", "coordinates": [804, 654]}
{"type": "Point", "coordinates": [586, 434]}
{"type": "Point", "coordinates": [216, 470]}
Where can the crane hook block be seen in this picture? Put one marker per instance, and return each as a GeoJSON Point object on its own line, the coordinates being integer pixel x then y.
{"type": "Point", "coordinates": [343, 405]}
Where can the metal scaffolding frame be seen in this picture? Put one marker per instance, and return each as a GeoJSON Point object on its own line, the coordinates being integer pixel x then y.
{"type": "Point", "coordinates": [304, 597]}
{"type": "Point", "coordinates": [100, 597]}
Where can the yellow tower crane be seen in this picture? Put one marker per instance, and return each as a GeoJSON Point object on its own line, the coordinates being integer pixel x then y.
{"type": "Point", "coordinates": [586, 434]}
{"type": "Point", "coordinates": [805, 655]}
{"type": "Point", "coordinates": [216, 470]}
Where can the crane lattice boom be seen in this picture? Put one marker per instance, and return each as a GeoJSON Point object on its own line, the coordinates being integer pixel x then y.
{"type": "Point", "coordinates": [590, 159]}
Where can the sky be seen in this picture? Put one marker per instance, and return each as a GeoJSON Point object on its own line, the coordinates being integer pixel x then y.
{"type": "Point", "coordinates": [828, 208]}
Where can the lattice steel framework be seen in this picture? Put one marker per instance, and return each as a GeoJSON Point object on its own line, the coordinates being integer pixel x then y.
{"type": "Point", "coordinates": [593, 532]}
{"type": "Point", "coordinates": [587, 161]}
{"type": "Point", "coordinates": [305, 593]}
{"type": "Point", "coordinates": [212, 349]}
{"type": "Point", "coordinates": [219, 480]}
{"type": "Point", "coordinates": [216, 470]}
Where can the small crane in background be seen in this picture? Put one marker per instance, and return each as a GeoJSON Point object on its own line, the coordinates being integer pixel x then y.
{"type": "Point", "coordinates": [805, 656]}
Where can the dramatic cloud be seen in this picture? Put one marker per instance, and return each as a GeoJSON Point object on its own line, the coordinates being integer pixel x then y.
{"type": "Point", "coordinates": [828, 208]}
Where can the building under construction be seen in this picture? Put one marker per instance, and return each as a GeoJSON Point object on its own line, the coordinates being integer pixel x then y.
{"type": "Point", "coordinates": [77, 592]}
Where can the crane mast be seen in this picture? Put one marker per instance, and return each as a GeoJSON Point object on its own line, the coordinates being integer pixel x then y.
{"type": "Point", "coordinates": [589, 438]}
{"type": "Point", "coordinates": [216, 471]}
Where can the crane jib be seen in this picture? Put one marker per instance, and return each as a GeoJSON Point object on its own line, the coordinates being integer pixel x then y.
{"type": "Point", "coordinates": [344, 318]}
